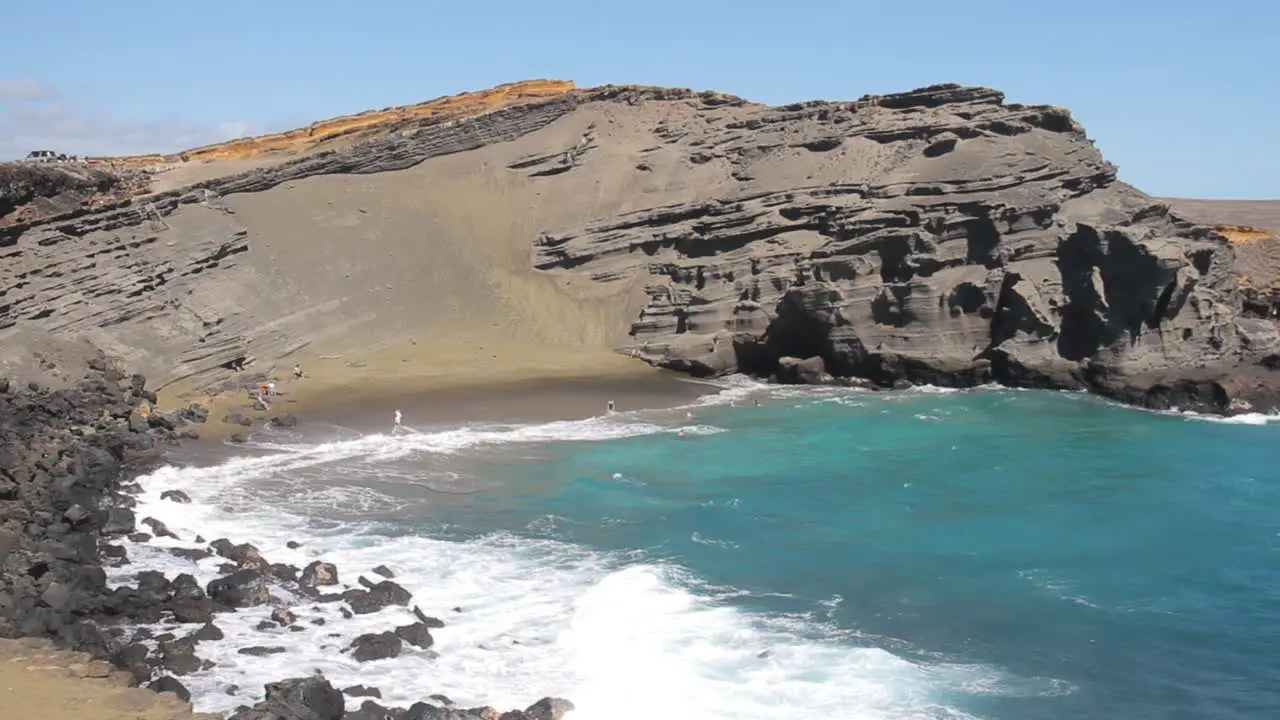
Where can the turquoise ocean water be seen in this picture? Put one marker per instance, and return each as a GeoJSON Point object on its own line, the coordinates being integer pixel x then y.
{"type": "Point", "coordinates": [989, 554]}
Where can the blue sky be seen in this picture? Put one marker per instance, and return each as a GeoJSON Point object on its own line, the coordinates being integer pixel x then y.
{"type": "Point", "coordinates": [1183, 96]}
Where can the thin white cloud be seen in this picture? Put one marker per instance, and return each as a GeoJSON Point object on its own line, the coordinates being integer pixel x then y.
{"type": "Point", "coordinates": [23, 89]}
{"type": "Point", "coordinates": [34, 116]}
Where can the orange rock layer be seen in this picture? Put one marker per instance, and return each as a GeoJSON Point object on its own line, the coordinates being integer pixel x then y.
{"type": "Point", "coordinates": [1243, 233]}
{"type": "Point", "coordinates": [304, 139]}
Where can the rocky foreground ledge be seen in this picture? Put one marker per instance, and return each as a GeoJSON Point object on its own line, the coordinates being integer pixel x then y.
{"type": "Point", "coordinates": [67, 462]}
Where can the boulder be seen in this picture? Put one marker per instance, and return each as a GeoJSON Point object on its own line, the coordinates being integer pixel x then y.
{"type": "Point", "coordinates": [243, 555]}
{"type": "Point", "coordinates": [548, 708]}
{"type": "Point", "coordinates": [77, 515]}
{"type": "Point", "coordinates": [319, 573]}
{"type": "Point", "coordinates": [118, 521]}
{"type": "Point", "coordinates": [376, 646]}
{"type": "Point", "coordinates": [377, 597]}
{"type": "Point", "coordinates": [282, 572]}
{"type": "Point", "coordinates": [310, 698]}
{"type": "Point", "coordinates": [433, 623]}
{"type": "Point", "coordinates": [282, 616]}
{"type": "Point", "coordinates": [240, 589]}
{"type": "Point", "coordinates": [192, 554]}
{"type": "Point", "coordinates": [170, 684]}
{"type": "Point", "coordinates": [158, 528]}
{"type": "Point", "coordinates": [416, 634]}
{"type": "Point", "coordinates": [362, 691]}
{"type": "Point", "coordinates": [807, 371]}
{"type": "Point", "coordinates": [176, 496]}
{"type": "Point", "coordinates": [262, 651]}
{"type": "Point", "coordinates": [194, 413]}
{"type": "Point", "coordinates": [193, 610]}
{"type": "Point", "coordinates": [370, 710]}
{"type": "Point", "coordinates": [188, 601]}
{"type": "Point", "coordinates": [178, 657]}
{"type": "Point", "coordinates": [207, 632]}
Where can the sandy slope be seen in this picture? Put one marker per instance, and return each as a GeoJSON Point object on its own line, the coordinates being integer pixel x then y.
{"type": "Point", "coordinates": [423, 277]}
{"type": "Point", "coordinates": [39, 682]}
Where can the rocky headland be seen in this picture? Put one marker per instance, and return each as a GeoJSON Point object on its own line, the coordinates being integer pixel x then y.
{"type": "Point", "coordinates": [939, 236]}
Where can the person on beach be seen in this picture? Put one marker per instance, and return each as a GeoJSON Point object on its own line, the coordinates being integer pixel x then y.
{"type": "Point", "coordinates": [271, 389]}
{"type": "Point", "coordinates": [261, 403]}
{"type": "Point", "coordinates": [610, 406]}
{"type": "Point", "coordinates": [297, 371]}
{"type": "Point", "coordinates": [399, 417]}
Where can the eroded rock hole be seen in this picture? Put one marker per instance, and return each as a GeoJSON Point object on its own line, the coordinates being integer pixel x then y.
{"type": "Point", "coordinates": [940, 148]}
{"type": "Point", "coordinates": [982, 240]}
{"type": "Point", "coordinates": [966, 298]}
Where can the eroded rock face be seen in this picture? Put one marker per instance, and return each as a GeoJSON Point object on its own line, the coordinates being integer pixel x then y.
{"type": "Point", "coordinates": [993, 244]}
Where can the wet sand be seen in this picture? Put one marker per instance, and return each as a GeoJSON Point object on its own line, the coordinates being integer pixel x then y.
{"type": "Point", "coordinates": [524, 402]}
{"type": "Point", "coordinates": [447, 382]}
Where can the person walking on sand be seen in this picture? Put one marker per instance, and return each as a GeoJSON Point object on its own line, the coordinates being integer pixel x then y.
{"type": "Point", "coordinates": [271, 389]}
{"type": "Point", "coordinates": [297, 371]}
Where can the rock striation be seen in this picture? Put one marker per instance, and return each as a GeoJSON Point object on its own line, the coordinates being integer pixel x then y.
{"type": "Point", "coordinates": [940, 235]}
{"type": "Point", "coordinates": [366, 125]}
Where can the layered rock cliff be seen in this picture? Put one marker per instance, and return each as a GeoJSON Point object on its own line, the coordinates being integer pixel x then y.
{"type": "Point", "coordinates": [940, 235]}
{"type": "Point", "coordinates": [993, 243]}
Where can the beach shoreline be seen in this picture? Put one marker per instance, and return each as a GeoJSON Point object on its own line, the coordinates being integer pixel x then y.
{"type": "Point", "coordinates": [468, 380]}
{"type": "Point", "coordinates": [90, 633]}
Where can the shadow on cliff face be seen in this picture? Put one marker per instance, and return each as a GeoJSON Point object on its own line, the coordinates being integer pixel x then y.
{"type": "Point", "coordinates": [1113, 287]}
{"type": "Point", "coordinates": [808, 324]}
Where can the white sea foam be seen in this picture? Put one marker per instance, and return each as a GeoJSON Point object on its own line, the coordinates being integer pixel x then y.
{"type": "Point", "coordinates": [621, 637]}
{"type": "Point", "coordinates": [1242, 419]}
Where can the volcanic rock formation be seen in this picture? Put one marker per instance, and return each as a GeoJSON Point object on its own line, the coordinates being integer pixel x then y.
{"type": "Point", "coordinates": [939, 235]}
